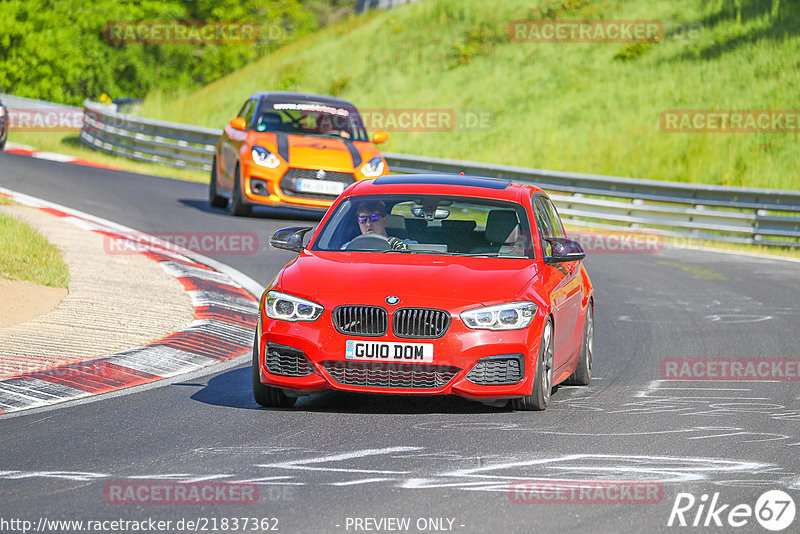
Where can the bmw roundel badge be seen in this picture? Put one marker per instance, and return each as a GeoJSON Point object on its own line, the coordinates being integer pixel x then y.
{"type": "Point", "coordinates": [392, 300]}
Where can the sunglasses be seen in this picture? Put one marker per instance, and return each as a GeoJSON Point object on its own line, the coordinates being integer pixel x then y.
{"type": "Point", "coordinates": [372, 217]}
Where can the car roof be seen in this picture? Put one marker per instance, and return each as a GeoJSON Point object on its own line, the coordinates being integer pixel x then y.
{"type": "Point", "coordinates": [274, 96]}
{"type": "Point", "coordinates": [444, 184]}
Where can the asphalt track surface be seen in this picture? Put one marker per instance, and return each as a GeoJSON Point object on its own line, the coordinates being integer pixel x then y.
{"type": "Point", "coordinates": [336, 457]}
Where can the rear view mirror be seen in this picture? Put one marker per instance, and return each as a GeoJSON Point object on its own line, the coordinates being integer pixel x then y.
{"type": "Point", "coordinates": [289, 238]}
{"type": "Point", "coordinates": [238, 123]}
{"type": "Point", "coordinates": [440, 213]}
{"type": "Point", "coordinates": [380, 137]}
{"type": "Point", "coordinates": [564, 250]}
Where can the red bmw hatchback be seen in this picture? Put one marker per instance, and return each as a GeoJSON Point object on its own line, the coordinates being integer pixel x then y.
{"type": "Point", "coordinates": [428, 285]}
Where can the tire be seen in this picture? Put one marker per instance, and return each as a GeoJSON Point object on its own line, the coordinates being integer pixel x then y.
{"type": "Point", "coordinates": [267, 396]}
{"type": "Point", "coordinates": [543, 378]}
{"type": "Point", "coordinates": [214, 199]}
{"type": "Point", "coordinates": [583, 374]}
{"type": "Point", "coordinates": [237, 206]}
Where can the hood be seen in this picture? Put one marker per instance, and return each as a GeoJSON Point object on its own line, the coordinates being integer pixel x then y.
{"type": "Point", "coordinates": [311, 152]}
{"type": "Point", "coordinates": [334, 278]}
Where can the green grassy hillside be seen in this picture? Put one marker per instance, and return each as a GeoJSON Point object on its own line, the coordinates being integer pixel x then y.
{"type": "Point", "coordinates": [584, 107]}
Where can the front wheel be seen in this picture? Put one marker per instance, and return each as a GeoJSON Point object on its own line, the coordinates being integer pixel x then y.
{"type": "Point", "coordinates": [238, 206]}
{"type": "Point", "coordinates": [583, 374]}
{"type": "Point", "coordinates": [214, 199]}
{"type": "Point", "coordinates": [267, 396]}
{"type": "Point", "coordinates": [543, 378]}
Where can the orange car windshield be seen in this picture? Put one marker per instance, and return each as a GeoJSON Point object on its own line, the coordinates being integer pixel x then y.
{"type": "Point", "coordinates": [311, 119]}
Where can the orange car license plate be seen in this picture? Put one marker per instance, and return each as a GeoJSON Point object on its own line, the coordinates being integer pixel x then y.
{"type": "Point", "coordinates": [319, 186]}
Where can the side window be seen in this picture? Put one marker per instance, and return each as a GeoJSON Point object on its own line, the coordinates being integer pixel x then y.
{"type": "Point", "coordinates": [248, 116]}
{"type": "Point", "coordinates": [555, 221]}
{"type": "Point", "coordinates": [543, 224]}
{"type": "Point", "coordinates": [245, 108]}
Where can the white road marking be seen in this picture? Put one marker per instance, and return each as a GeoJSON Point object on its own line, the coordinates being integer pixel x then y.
{"type": "Point", "coordinates": [362, 481]}
{"type": "Point", "coordinates": [339, 457]}
{"type": "Point", "coordinates": [52, 156]}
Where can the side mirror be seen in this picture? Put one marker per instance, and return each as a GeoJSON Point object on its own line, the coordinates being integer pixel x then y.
{"type": "Point", "coordinates": [380, 137]}
{"type": "Point", "coordinates": [564, 250]}
{"type": "Point", "coordinates": [238, 123]}
{"type": "Point", "coordinates": [289, 238]}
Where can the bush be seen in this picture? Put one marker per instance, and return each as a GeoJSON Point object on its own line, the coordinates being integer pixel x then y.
{"type": "Point", "coordinates": [57, 50]}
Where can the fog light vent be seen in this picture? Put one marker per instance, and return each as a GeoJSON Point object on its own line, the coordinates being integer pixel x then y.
{"type": "Point", "coordinates": [259, 187]}
{"type": "Point", "coordinates": [497, 370]}
{"type": "Point", "coordinates": [286, 361]}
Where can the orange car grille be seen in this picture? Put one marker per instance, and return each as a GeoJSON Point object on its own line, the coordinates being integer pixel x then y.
{"type": "Point", "coordinates": [390, 375]}
{"type": "Point", "coordinates": [289, 181]}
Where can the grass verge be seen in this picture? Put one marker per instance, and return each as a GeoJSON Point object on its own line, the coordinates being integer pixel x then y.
{"type": "Point", "coordinates": [26, 255]}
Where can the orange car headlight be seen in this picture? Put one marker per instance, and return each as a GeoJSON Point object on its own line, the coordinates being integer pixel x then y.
{"type": "Point", "coordinates": [265, 158]}
{"type": "Point", "coordinates": [373, 167]}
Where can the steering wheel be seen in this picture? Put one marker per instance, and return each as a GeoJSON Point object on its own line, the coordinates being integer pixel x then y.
{"type": "Point", "coordinates": [377, 242]}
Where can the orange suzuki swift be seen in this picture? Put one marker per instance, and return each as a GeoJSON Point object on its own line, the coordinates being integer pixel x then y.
{"type": "Point", "coordinates": [292, 149]}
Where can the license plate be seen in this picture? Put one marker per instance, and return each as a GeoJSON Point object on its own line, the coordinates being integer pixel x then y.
{"type": "Point", "coordinates": [322, 187]}
{"type": "Point", "coordinates": [377, 351]}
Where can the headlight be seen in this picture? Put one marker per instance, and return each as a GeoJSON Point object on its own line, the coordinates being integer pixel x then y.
{"type": "Point", "coordinates": [263, 157]}
{"type": "Point", "coordinates": [373, 167]}
{"type": "Point", "coordinates": [289, 308]}
{"type": "Point", "coordinates": [511, 316]}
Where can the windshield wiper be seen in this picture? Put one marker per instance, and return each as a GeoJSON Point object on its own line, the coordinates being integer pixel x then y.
{"type": "Point", "coordinates": [476, 254]}
{"type": "Point", "coordinates": [486, 255]}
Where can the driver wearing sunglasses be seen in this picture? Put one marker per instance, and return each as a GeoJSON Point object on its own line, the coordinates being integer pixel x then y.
{"type": "Point", "coordinates": [371, 218]}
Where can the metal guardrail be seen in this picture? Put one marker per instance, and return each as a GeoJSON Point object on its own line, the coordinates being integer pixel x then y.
{"type": "Point", "coordinates": [21, 102]}
{"type": "Point", "coordinates": [363, 5]}
{"type": "Point", "coordinates": [734, 214]}
{"type": "Point", "coordinates": [169, 143]}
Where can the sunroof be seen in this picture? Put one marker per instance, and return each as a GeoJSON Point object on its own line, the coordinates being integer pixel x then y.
{"type": "Point", "coordinates": [442, 179]}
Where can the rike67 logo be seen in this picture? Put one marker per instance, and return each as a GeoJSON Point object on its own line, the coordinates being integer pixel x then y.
{"type": "Point", "coordinates": [774, 510]}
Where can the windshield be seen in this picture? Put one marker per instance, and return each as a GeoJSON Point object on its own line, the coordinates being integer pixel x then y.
{"type": "Point", "coordinates": [428, 224]}
{"type": "Point", "coordinates": [304, 118]}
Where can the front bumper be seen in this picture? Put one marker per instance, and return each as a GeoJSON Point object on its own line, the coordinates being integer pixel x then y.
{"type": "Point", "coordinates": [454, 356]}
{"type": "Point", "coordinates": [275, 186]}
